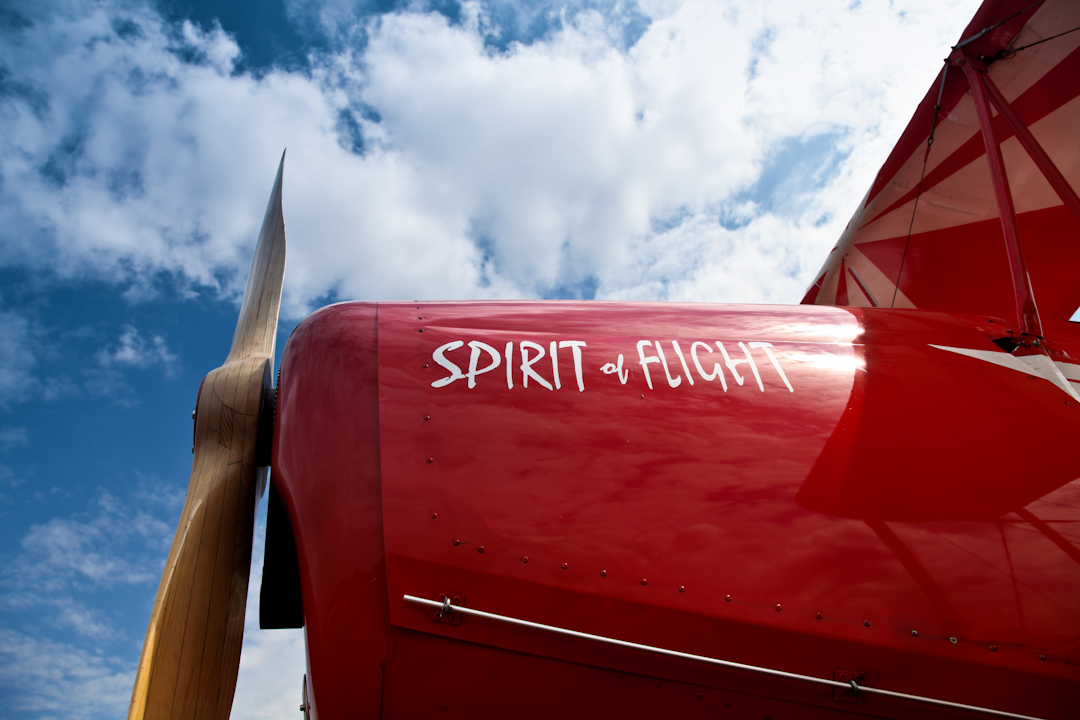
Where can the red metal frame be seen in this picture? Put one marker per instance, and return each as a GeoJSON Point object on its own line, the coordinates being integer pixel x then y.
{"type": "Point", "coordinates": [1026, 312]}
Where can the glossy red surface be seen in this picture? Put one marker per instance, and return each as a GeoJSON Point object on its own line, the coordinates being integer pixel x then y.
{"type": "Point", "coordinates": [326, 449]}
{"type": "Point", "coordinates": [895, 487]}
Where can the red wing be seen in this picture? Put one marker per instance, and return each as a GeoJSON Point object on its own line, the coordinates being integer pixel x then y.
{"type": "Point", "coordinates": [928, 234]}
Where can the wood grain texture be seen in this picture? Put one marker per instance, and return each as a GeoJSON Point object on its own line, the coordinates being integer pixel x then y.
{"type": "Point", "coordinates": [256, 328]}
{"type": "Point", "coordinates": [191, 654]}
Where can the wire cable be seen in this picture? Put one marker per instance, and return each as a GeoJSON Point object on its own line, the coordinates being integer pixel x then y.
{"type": "Point", "coordinates": [918, 193]}
{"type": "Point", "coordinates": [1040, 42]}
{"type": "Point", "coordinates": [995, 26]}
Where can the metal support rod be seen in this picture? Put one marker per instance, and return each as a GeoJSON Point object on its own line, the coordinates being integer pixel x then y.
{"type": "Point", "coordinates": [1042, 161]}
{"type": "Point", "coordinates": [712, 661]}
{"type": "Point", "coordinates": [1026, 312]}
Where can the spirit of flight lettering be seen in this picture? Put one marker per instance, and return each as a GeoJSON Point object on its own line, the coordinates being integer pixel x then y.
{"type": "Point", "coordinates": [528, 362]}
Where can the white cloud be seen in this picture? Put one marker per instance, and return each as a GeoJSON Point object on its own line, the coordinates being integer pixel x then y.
{"type": "Point", "coordinates": [546, 167]}
{"type": "Point", "coordinates": [117, 544]}
{"type": "Point", "coordinates": [272, 662]}
{"type": "Point", "coordinates": [17, 360]}
{"type": "Point", "coordinates": [29, 349]}
{"type": "Point", "coordinates": [132, 350]}
{"type": "Point", "coordinates": [58, 577]}
{"type": "Point", "coordinates": [272, 667]}
{"type": "Point", "coordinates": [69, 654]}
{"type": "Point", "coordinates": [61, 680]}
{"type": "Point", "coordinates": [107, 383]}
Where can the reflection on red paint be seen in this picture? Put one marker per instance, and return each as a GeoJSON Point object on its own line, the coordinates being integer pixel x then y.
{"type": "Point", "coordinates": [825, 459]}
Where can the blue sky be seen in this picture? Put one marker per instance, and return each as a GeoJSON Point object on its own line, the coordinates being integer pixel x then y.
{"type": "Point", "coordinates": [650, 150]}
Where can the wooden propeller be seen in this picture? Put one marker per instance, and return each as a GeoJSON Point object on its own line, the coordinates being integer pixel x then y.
{"type": "Point", "coordinates": [192, 650]}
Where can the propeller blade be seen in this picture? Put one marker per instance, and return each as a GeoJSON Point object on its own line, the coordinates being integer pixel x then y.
{"type": "Point", "coordinates": [191, 654]}
{"type": "Point", "coordinates": [256, 329]}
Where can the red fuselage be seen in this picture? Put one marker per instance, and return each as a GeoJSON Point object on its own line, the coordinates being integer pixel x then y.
{"type": "Point", "coordinates": [809, 489]}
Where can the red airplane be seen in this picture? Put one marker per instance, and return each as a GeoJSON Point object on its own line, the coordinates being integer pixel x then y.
{"type": "Point", "coordinates": [864, 505]}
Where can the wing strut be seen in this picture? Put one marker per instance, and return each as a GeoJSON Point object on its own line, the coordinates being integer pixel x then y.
{"type": "Point", "coordinates": [1026, 312]}
{"type": "Point", "coordinates": [1034, 149]}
